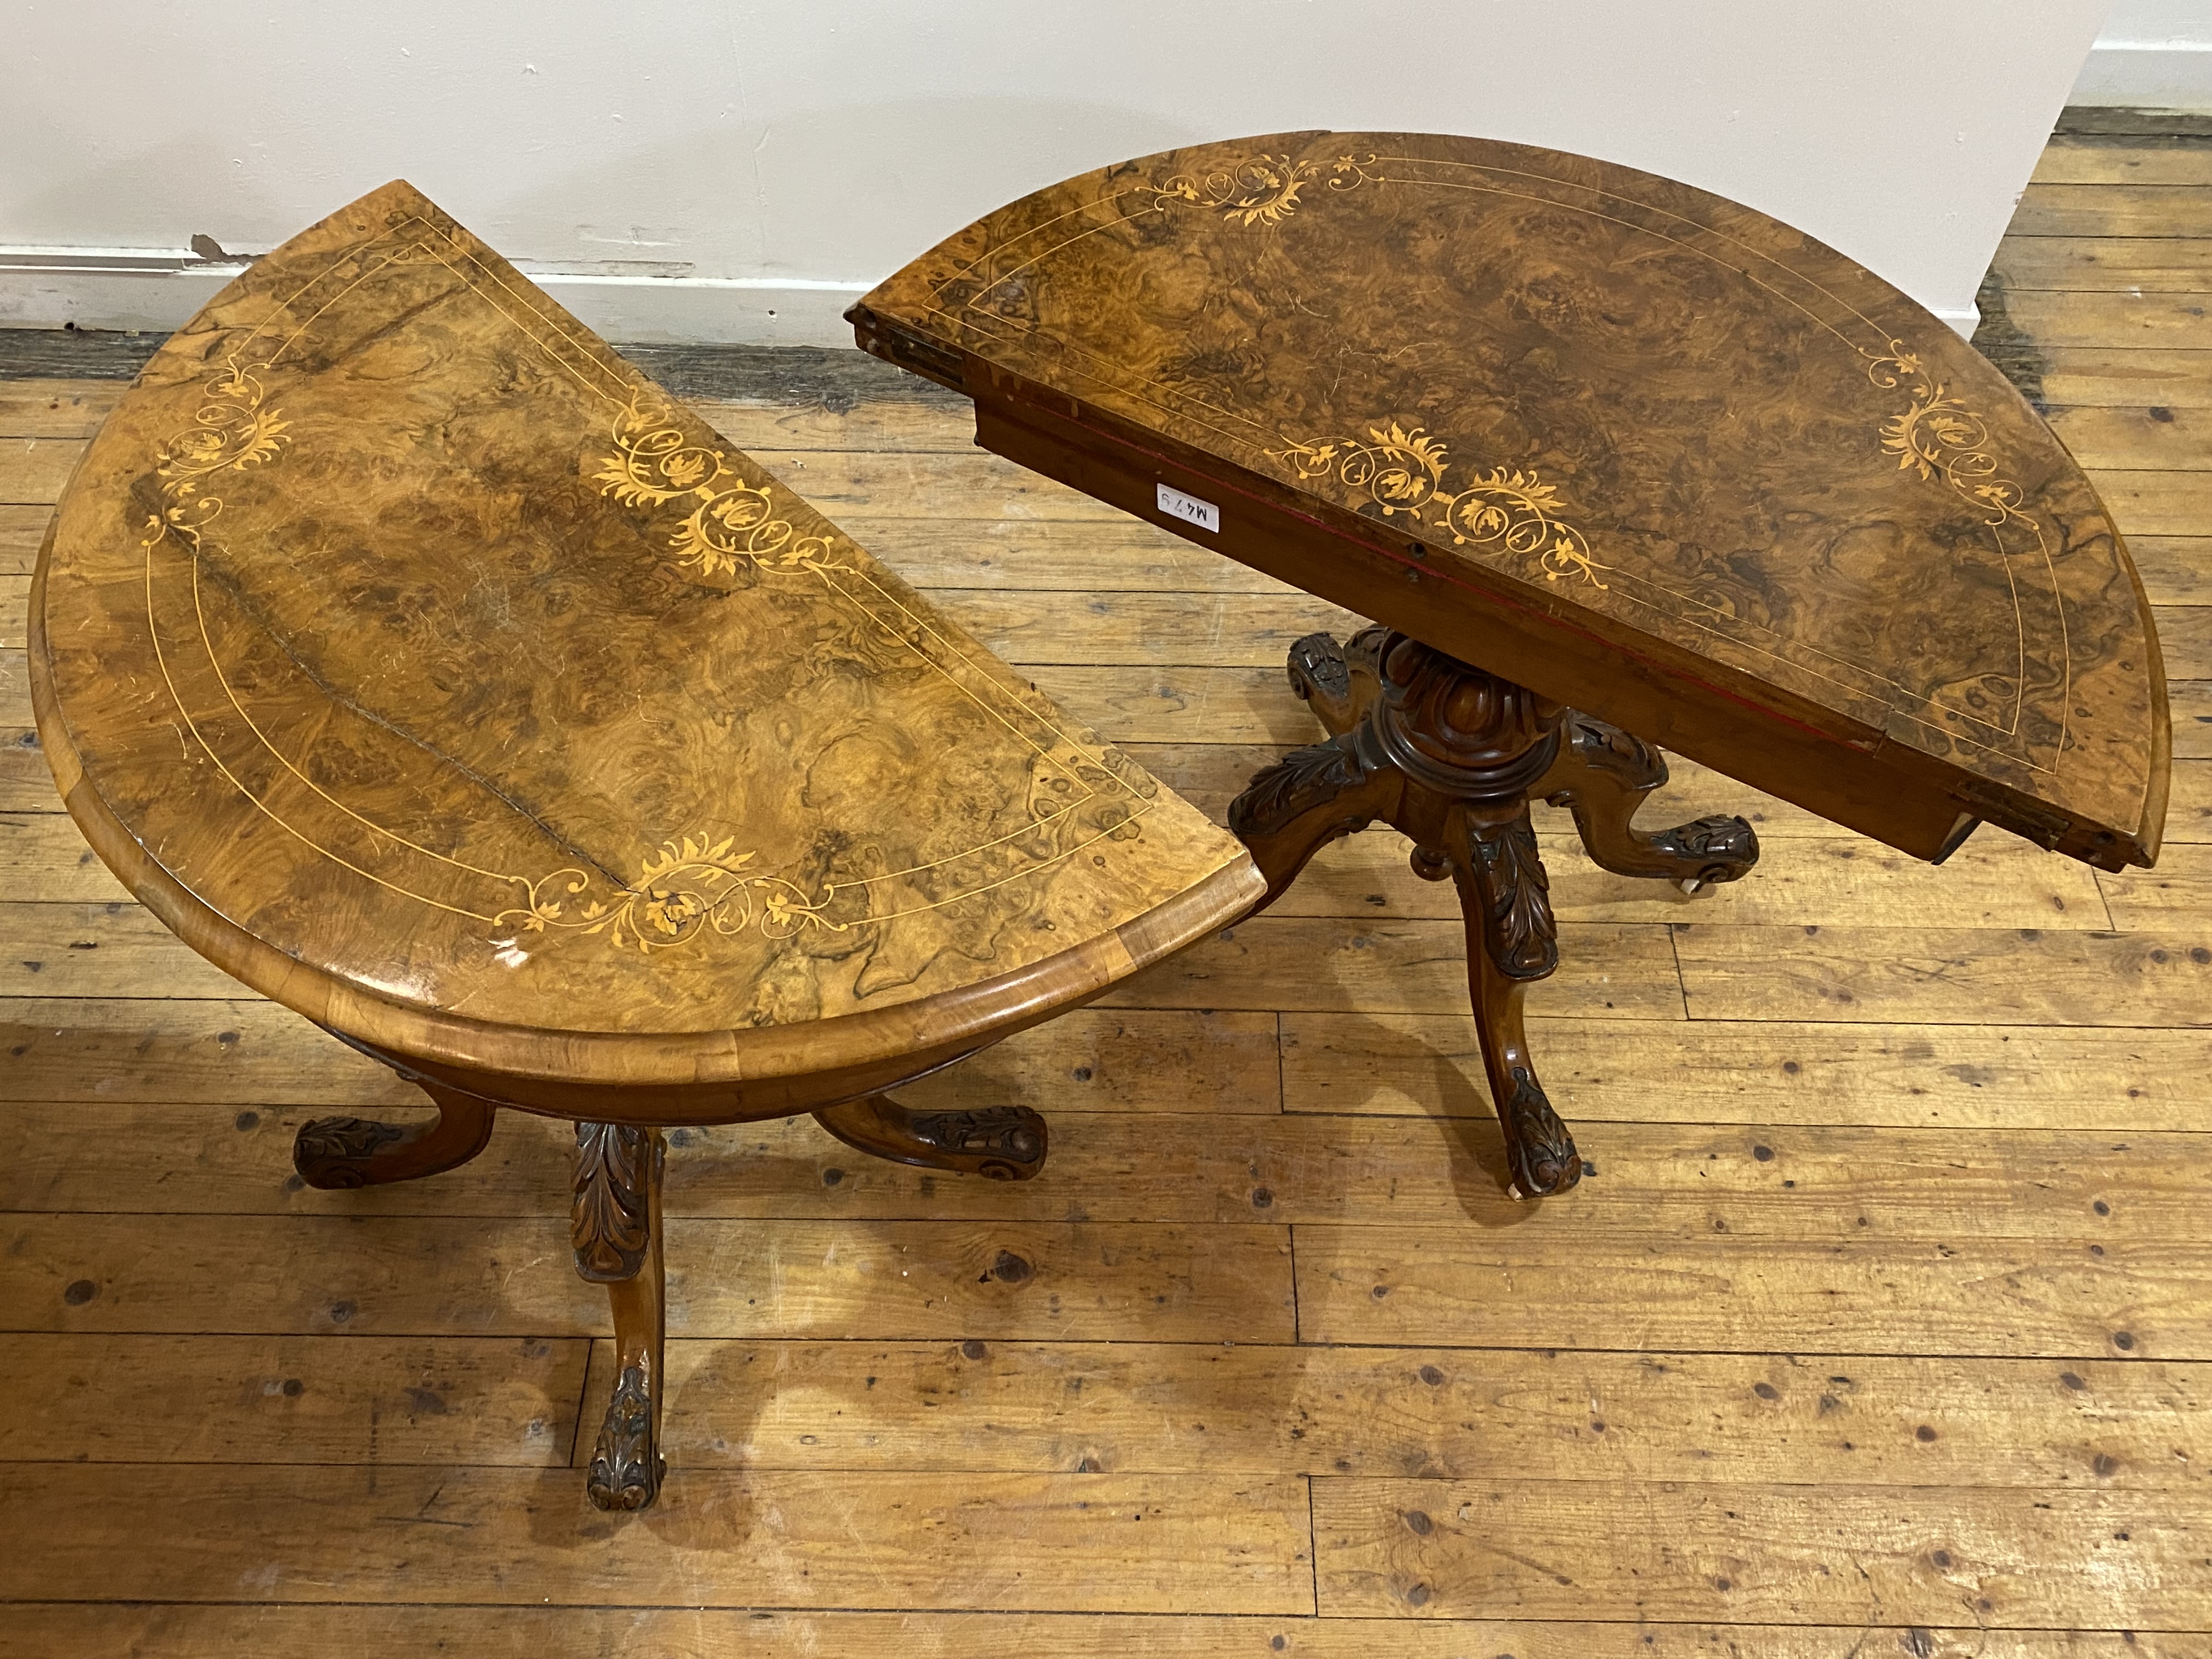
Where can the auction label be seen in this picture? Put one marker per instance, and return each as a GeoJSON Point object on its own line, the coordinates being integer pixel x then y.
{"type": "Point", "coordinates": [1191, 510]}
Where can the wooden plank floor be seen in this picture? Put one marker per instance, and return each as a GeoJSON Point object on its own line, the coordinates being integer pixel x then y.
{"type": "Point", "coordinates": [1883, 1325]}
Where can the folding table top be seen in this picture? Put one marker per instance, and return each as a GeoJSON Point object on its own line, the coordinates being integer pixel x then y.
{"type": "Point", "coordinates": [401, 641]}
{"type": "Point", "coordinates": [1645, 450]}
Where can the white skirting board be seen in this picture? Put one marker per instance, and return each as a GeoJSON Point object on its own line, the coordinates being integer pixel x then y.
{"type": "Point", "coordinates": [2152, 75]}
{"type": "Point", "coordinates": [152, 289]}
{"type": "Point", "coordinates": [148, 288]}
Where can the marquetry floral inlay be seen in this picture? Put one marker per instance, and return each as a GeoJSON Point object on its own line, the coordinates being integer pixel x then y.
{"type": "Point", "coordinates": [1939, 436]}
{"type": "Point", "coordinates": [1263, 190]}
{"type": "Point", "coordinates": [1401, 470]}
{"type": "Point", "coordinates": [684, 888]}
{"type": "Point", "coordinates": [730, 521]}
{"type": "Point", "coordinates": [1260, 190]}
{"type": "Point", "coordinates": [231, 431]}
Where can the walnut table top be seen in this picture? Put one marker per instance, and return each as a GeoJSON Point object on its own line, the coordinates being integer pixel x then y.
{"type": "Point", "coordinates": [430, 671]}
{"type": "Point", "coordinates": [1643, 450]}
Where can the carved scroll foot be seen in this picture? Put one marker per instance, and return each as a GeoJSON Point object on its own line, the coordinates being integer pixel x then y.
{"type": "Point", "coordinates": [335, 1153]}
{"type": "Point", "coordinates": [1537, 1144]}
{"type": "Point", "coordinates": [1602, 775]}
{"type": "Point", "coordinates": [627, 1467]}
{"type": "Point", "coordinates": [1000, 1143]}
{"type": "Point", "coordinates": [615, 1229]}
{"type": "Point", "coordinates": [1708, 850]}
{"type": "Point", "coordinates": [1319, 674]}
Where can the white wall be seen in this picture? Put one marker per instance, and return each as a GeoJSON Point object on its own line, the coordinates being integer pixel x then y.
{"type": "Point", "coordinates": [695, 164]}
{"type": "Point", "coordinates": [2151, 54]}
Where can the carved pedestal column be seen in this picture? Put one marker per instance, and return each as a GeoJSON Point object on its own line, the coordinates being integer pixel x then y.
{"type": "Point", "coordinates": [615, 1227]}
{"type": "Point", "coordinates": [1451, 756]}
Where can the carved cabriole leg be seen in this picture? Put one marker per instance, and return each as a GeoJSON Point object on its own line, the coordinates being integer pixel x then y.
{"type": "Point", "coordinates": [614, 1228]}
{"type": "Point", "coordinates": [1309, 798]}
{"type": "Point", "coordinates": [1512, 941]}
{"type": "Point", "coordinates": [1602, 775]}
{"type": "Point", "coordinates": [1326, 791]}
{"type": "Point", "coordinates": [340, 1152]}
{"type": "Point", "coordinates": [1002, 1143]}
{"type": "Point", "coordinates": [1447, 754]}
{"type": "Point", "coordinates": [1470, 746]}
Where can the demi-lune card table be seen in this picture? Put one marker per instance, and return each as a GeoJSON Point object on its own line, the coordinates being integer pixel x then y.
{"type": "Point", "coordinates": [1613, 464]}
{"type": "Point", "coordinates": [422, 666]}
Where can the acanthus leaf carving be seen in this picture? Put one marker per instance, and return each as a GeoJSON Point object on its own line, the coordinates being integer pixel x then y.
{"type": "Point", "coordinates": [1542, 1150]}
{"type": "Point", "coordinates": [1008, 1138]}
{"type": "Point", "coordinates": [1318, 665]}
{"type": "Point", "coordinates": [1300, 781]}
{"type": "Point", "coordinates": [626, 1462]}
{"type": "Point", "coordinates": [328, 1151]}
{"type": "Point", "coordinates": [609, 1224]}
{"type": "Point", "coordinates": [1519, 931]}
{"type": "Point", "coordinates": [1622, 754]}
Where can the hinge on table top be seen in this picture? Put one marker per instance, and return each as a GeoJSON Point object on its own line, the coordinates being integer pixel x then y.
{"type": "Point", "coordinates": [2038, 824]}
{"type": "Point", "coordinates": [923, 357]}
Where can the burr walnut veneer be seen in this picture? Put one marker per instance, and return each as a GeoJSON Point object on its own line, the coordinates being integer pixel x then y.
{"type": "Point", "coordinates": [1603, 454]}
{"type": "Point", "coordinates": [423, 666]}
